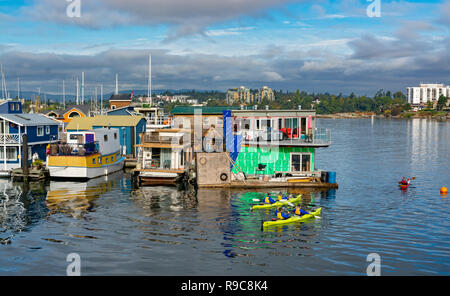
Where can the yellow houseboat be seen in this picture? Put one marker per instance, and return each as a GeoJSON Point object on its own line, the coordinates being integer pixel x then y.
{"type": "Point", "coordinates": [86, 154]}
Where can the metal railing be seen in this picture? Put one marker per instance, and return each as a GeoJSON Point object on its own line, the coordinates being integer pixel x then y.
{"type": "Point", "coordinates": [318, 137]}
{"type": "Point", "coordinates": [10, 138]}
{"type": "Point", "coordinates": [69, 149]}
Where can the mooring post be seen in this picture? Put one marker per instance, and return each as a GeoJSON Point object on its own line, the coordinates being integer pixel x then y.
{"type": "Point", "coordinates": [25, 157]}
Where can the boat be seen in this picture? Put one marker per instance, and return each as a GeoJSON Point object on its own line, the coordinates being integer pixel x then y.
{"type": "Point", "coordinates": [280, 203]}
{"type": "Point", "coordinates": [86, 154]}
{"type": "Point", "coordinates": [292, 219]}
{"type": "Point", "coordinates": [403, 186]}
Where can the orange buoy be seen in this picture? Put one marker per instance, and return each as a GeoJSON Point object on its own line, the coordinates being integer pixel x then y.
{"type": "Point", "coordinates": [443, 190]}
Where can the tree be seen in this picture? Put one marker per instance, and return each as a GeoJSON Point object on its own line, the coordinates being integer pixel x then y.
{"type": "Point", "coordinates": [442, 102]}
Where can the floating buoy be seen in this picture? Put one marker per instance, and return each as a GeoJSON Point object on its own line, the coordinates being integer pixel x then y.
{"type": "Point", "coordinates": [443, 190]}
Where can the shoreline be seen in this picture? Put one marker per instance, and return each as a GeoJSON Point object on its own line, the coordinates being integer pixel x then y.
{"type": "Point", "coordinates": [357, 115]}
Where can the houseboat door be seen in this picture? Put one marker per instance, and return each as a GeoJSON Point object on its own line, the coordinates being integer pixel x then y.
{"type": "Point", "coordinates": [89, 138]}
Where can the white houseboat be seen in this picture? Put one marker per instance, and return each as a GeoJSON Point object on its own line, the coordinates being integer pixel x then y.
{"type": "Point", "coordinates": [86, 154]}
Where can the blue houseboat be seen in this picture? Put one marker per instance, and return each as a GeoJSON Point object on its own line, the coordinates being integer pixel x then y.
{"type": "Point", "coordinates": [40, 131]}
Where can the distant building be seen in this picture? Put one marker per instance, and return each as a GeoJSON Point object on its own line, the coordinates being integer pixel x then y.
{"type": "Point", "coordinates": [247, 96]}
{"type": "Point", "coordinates": [425, 93]}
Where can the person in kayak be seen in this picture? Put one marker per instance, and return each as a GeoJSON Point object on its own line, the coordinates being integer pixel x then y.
{"type": "Point", "coordinates": [299, 211]}
{"type": "Point", "coordinates": [404, 181]}
{"type": "Point", "coordinates": [281, 215]}
{"type": "Point", "coordinates": [269, 199]}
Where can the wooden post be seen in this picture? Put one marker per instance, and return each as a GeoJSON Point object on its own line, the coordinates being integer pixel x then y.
{"type": "Point", "coordinates": [25, 157]}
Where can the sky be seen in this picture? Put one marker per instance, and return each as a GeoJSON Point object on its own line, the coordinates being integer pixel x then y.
{"type": "Point", "coordinates": [315, 46]}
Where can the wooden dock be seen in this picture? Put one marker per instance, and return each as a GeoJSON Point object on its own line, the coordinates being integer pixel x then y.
{"type": "Point", "coordinates": [265, 184]}
{"type": "Point", "coordinates": [17, 175]}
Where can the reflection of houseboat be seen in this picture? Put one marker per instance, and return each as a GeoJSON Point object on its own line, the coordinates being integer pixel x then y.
{"type": "Point", "coordinates": [163, 156]}
{"type": "Point", "coordinates": [86, 154]}
{"type": "Point", "coordinates": [75, 198]}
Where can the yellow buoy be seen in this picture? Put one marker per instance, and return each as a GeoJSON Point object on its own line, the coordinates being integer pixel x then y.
{"type": "Point", "coordinates": [444, 190]}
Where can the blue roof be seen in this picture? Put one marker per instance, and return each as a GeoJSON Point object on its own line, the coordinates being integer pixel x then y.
{"type": "Point", "coordinates": [29, 119]}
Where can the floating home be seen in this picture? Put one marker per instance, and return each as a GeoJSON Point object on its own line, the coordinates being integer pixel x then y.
{"type": "Point", "coordinates": [40, 131]}
{"type": "Point", "coordinates": [130, 127]}
{"type": "Point", "coordinates": [267, 148]}
{"type": "Point", "coordinates": [86, 154]}
{"type": "Point", "coordinates": [72, 111]}
{"type": "Point", "coordinates": [164, 156]}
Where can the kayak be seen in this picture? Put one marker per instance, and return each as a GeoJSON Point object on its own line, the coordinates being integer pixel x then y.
{"type": "Point", "coordinates": [293, 219]}
{"type": "Point", "coordinates": [404, 186]}
{"type": "Point", "coordinates": [280, 203]}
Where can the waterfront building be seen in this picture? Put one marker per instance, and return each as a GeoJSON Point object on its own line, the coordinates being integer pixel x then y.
{"type": "Point", "coordinates": [277, 142]}
{"type": "Point", "coordinates": [86, 154]}
{"type": "Point", "coordinates": [40, 131]}
{"type": "Point", "coordinates": [120, 100]}
{"type": "Point", "coordinates": [10, 107]}
{"type": "Point", "coordinates": [69, 113]}
{"type": "Point", "coordinates": [164, 155]}
{"type": "Point", "coordinates": [425, 93]}
{"type": "Point", "coordinates": [129, 126]}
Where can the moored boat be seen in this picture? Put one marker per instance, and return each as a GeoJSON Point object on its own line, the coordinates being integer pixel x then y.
{"type": "Point", "coordinates": [86, 154]}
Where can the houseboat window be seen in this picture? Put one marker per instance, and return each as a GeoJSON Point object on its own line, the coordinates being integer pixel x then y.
{"type": "Point", "coordinates": [47, 130]}
{"type": "Point", "coordinates": [12, 107]}
{"type": "Point", "coordinates": [4, 129]}
{"type": "Point", "coordinates": [11, 153]}
{"type": "Point", "coordinates": [99, 160]}
{"type": "Point", "coordinates": [295, 162]}
{"type": "Point", "coordinates": [107, 159]}
{"type": "Point", "coordinates": [257, 123]}
{"type": "Point", "coordinates": [301, 162]}
{"type": "Point", "coordinates": [303, 125]}
{"type": "Point", "coordinates": [115, 136]}
{"type": "Point", "coordinates": [75, 136]}
{"type": "Point", "coordinates": [105, 138]}
{"type": "Point", "coordinates": [280, 123]}
{"type": "Point", "coordinates": [246, 124]}
{"type": "Point", "coordinates": [40, 130]}
{"type": "Point", "coordinates": [112, 158]}
{"type": "Point", "coordinates": [74, 114]}
{"type": "Point", "coordinates": [93, 161]}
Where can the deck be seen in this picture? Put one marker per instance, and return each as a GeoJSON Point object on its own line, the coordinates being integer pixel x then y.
{"type": "Point", "coordinates": [265, 184]}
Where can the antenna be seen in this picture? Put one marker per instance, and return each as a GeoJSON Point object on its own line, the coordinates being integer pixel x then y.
{"type": "Point", "coordinates": [101, 99]}
{"type": "Point", "coordinates": [64, 95]}
{"type": "Point", "coordinates": [78, 91]}
{"type": "Point", "coordinates": [149, 94]}
{"type": "Point", "coordinates": [117, 84]}
{"type": "Point", "coordinates": [18, 88]}
{"type": "Point", "coordinates": [82, 88]}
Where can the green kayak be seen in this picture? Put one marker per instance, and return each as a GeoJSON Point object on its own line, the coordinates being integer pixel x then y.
{"type": "Point", "coordinates": [292, 219]}
{"type": "Point", "coordinates": [280, 203]}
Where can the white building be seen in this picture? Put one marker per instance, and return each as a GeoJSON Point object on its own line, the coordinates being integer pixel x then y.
{"type": "Point", "coordinates": [426, 92]}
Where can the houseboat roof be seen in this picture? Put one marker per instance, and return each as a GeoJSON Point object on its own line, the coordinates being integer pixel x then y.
{"type": "Point", "coordinates": [273, 112]}
{"type": "Point", "coordinates": [87, 123]}
{"type": "Point", "coordinates": [60, 113]}
{"type": "Point", "coordinates": [189, 110]}
{"type": "Point", "coordinates": [26, 119]}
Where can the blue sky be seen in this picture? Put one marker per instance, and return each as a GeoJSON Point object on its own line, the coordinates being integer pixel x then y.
{"type": "Point", "coordinates": [321, 46]}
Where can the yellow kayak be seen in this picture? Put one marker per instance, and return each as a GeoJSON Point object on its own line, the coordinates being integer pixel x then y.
{"type": "Point", "coordinates": [280, 203]}
{"type": "Point", "coordinates": [293, 219]}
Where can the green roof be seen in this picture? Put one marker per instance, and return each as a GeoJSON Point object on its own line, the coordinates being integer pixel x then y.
{"type": "Point", "coordinates": [189, 110]}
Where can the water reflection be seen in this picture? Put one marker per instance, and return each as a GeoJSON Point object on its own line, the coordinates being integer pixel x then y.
{"type": "Point", "coordinates": [77, 198]}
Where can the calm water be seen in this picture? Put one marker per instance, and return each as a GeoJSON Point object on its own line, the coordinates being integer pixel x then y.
{"type": "Point", "coordinates": [161, 231]}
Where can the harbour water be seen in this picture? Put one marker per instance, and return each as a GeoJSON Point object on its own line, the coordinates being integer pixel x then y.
{"type": "Point", "coordinates": [117, 230]}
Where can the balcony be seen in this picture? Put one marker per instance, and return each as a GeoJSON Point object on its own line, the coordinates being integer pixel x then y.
{"type": "Point", "coordinates": [320, 137]}
{"type": "Point", "coordinates": [69, 149]}
{"type": "Point", "coordinates": [10, 138]}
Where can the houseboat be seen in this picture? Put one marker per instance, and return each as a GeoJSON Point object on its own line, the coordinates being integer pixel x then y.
{"type": "Point", "coordinates": [163, 156]}
{"type": "Point", "coordinates": [86, 154]}
{"type": "Point", "coordinates": [40, 131]}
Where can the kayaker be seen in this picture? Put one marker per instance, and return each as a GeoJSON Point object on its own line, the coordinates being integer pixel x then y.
{"type": "Point", "coordinates": [299, 211]}
{"type": "Point", "coordinates": [281, 215]}
{"type": "Point", "coordinates": [404, 181]}
{"type": "Point", "coordinates": [269, 199]}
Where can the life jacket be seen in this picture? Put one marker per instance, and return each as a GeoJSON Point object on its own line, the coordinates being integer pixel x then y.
{"type": "Point", "coordinates": [297, 211]}
{"type": "Point", "coordinates": [280, 216]}
{"type": "Point", "coordinates": [268, 200]}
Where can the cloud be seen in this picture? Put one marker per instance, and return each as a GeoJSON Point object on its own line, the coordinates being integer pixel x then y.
{"type": "Point", "coordinates": [183, 17]}
{"type": "Point", "coordinates": [444, 17]}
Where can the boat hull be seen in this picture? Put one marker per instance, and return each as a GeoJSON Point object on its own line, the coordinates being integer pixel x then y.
{"type": "Point", "coordinates": [71, 172]}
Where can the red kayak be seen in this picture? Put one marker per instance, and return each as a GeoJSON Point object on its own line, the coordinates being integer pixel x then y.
{"type": "Point", "coordinates": [404, 186]}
